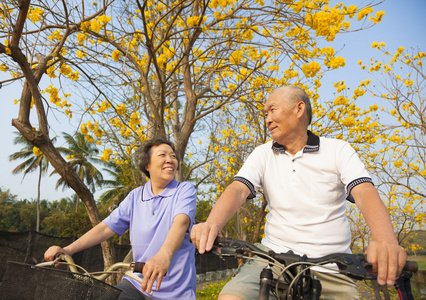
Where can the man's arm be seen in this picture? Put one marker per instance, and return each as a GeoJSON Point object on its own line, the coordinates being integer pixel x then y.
{"type": "Point", "coordinates": [384, 253]}
{"type": "Point", "coordinates": [204, 234]}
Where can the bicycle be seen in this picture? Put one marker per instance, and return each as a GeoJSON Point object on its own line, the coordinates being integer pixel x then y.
{"type": "Point", "coordinates": [27, 282]}
{"type": "Point", "coordinates": [294, 281]}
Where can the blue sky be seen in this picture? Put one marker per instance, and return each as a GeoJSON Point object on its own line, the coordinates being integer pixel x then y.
{"type": "Point", "coordinates": [403, 25]}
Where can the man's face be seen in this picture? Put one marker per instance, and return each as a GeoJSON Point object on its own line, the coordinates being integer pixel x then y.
{"type": "Point", "coordinates": [280, 116]}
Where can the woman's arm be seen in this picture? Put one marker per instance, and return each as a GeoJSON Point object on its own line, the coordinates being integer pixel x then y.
{"type": "Point", "coordinates": [157, 266]}
{"type": "Point", "coordinates": [94, 236]}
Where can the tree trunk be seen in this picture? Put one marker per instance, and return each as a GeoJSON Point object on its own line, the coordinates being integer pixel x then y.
{"type": "Point", "coordinates": [40, 138]}
{"type": "Point", "coordinates": [38, 200]}
{"type": "Point", "coordinates": [259, 220]}
{"type": "Point", "coordinates": [65, 170]}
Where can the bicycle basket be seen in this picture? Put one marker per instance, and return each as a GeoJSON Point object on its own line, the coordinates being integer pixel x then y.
{"type": "Point", "coordinates": [28, 282]}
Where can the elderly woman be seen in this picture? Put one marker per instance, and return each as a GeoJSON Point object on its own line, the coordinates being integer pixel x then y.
{"type": "Point", "coordinates": [159, 216]}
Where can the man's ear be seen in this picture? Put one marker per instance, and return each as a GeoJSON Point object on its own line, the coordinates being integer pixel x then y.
{"type": "Point", "coordinates": [301, 107]}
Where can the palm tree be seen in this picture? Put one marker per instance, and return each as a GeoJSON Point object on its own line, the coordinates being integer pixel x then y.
{"type": "Point", "coordinates": [34, 160]}
{"type": "Point", "coordinates": [124, 178]}
{"type": "Point", "coordinates": [81, 155]}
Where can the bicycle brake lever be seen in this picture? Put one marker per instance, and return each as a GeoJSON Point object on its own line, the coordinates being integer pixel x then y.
{"type": "Point", "coordinates": [229, 247]}
{"type": "Point", "coordinates": [354, 266]}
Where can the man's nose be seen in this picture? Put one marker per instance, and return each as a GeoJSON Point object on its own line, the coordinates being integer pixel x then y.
{"type": "Point", "coordinates": [268, 120]}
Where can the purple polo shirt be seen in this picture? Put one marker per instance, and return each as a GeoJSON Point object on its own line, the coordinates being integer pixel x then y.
{"type": "Point", "coordinates": [149, 218]}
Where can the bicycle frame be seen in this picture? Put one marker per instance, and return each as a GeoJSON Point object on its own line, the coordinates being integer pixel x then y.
{"type": "Point", "coordinates": [296, 278]}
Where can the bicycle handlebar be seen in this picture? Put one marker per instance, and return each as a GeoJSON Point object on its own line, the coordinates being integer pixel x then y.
{"type": "Point", "coordinates": [128, 268]}
{"type": "Point", "coordinates": [355, 266]}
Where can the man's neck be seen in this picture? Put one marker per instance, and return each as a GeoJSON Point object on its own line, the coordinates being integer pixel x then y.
{"type": "Point", "coordinates": [296, 144]}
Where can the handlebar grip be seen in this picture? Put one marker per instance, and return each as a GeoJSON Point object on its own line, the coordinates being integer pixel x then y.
{"type": "Point", "coordinates": [138, 268]}
{"type": "Point", "coordinates": [411, 266]}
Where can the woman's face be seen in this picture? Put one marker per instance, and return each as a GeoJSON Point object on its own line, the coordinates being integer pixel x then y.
{"type": "Point", "coordinates": [163, 165]}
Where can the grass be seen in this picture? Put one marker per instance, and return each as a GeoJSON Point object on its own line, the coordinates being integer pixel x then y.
{"type": "Point", "coordinates": [420, 259]}
{"type": "Point", "coordinates": [211, 290]}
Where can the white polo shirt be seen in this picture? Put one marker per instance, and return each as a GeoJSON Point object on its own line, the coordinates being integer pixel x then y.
{"type": "Point", "coordinates": [306, 194]}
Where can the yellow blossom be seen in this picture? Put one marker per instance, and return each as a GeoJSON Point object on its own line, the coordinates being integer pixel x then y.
{"type": "Point", "coordinates": [80, 54]}
{"type": "Point", "coordinates": [116, 54]}
{"type": "Point", "coordinates": [37, 152]}
{"type": "Point", "coordinates": [348, 122]}
{"type": "Point", "coordinates": [365, 11]}
{"type": "Point", "coordinates": [397, 163]}
{"type": "Point", "coordinates": [121, 109]}
{"type": "Point", "coordinates": [89, 138]}
{"type": "Point", "coordinates": [311, 69]}
{"type": "Point", "coordinates": [35, 14]}
{"type": "Point", "coordinates": [95, 25]}
{"type": "Point", "coordinates": [409, 82]}
{"type": "Point", "coordinates": [81, 37]}
{"type": "Point", "coordinates": [337, 62]}
{"type": "Point", "coordinates": [4, 67]}
{"type": "Point", "coordinates": [83, 129]}
{"type": "Point", "coordinates": [378, 17]}
{"type": "Point", "coordinates": [106, 154]}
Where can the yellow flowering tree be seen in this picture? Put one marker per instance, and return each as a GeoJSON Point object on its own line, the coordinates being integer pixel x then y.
{"type": "Point", "coordinates": [34, 44]}
{"type": "Point", "coordinates": [398, 162]}
{"type": "Point", "coordinates": [179, 69]}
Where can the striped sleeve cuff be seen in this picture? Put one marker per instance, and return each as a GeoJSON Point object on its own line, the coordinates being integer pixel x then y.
{"type": "Point", "coordinates": [248, 184]}
{"type": "Point", "coordinates": [353, 184]}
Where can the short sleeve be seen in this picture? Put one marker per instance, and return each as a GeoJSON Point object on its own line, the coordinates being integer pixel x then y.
{"type": "Point", "coordinates": [186, 201]}
{"type": "Point", "coordinates": [252, 171]}
{"type": "Point", "coordinates": [119, 220]}
{"type": "Point", "coordinates": [352, 170]}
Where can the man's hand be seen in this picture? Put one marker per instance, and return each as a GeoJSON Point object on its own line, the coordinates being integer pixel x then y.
{"type": "Point", "coordinates": [203, 236]}
{"type": "Point", "coordinates": [155, 268]}
{"type": "Point", "coordinates": [388, 260]}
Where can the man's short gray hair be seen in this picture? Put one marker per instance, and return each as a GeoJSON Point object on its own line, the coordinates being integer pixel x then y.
{"type": "Point", "coordinates": [298, 94]}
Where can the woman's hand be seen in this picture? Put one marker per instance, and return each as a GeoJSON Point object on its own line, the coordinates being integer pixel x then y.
{"type": "Point", "coordinates": [158, 265]}
{"type": "Point", "coordinates": [50, 253]}
{"type": "Point", "coordinates": [155, 269]}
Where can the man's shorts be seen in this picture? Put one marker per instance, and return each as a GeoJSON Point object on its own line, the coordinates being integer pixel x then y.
{"type": "Point", "coordinates": [245, 283]}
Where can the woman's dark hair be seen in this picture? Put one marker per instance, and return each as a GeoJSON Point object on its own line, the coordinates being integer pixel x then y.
{"type": "Point", "coordinates": [142, 155]}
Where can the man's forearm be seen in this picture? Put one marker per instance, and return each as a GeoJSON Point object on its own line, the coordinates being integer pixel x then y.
{"type": "Point", "coordinates": [228, 203]}
{"type": "Point", "coordinates": [375, 214]}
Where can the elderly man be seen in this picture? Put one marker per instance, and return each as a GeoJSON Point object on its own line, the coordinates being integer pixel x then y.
{"type": "Point", "coordinates": [306, 180]}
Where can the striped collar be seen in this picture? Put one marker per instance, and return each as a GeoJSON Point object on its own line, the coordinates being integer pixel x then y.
{"type": "Point", "coordinates": [311, 146]}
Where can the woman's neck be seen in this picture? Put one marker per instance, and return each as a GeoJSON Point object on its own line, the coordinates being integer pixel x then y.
{"type": "Point", "coordinates": [158, 187]}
